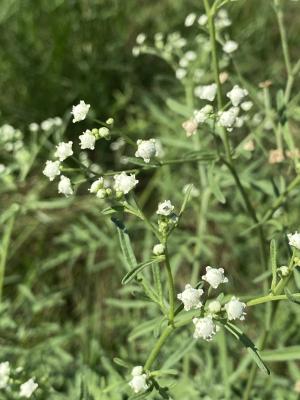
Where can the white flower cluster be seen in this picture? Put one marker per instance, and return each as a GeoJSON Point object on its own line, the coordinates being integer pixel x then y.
{"type": "Point", "coordinates": [123, 184]}
{"type": "Point", "coordinates": [11, 139]}
{"type": "Point", "coordinates": [26, 389]}
{"type": "Point", "coordinates": [206, 326]}
{"type": "Point", "coordinates": [138, 382]}
{"type": "Point", "coordinates": [294, 240]}
{"type": "Point", "coordinates": [64, 150]}
{"type": "Point", "coordinates": [146, 149]}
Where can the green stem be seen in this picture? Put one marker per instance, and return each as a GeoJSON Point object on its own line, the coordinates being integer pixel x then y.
{"type": "Point", "coordinates": [216, 71]}
{"type": "Point", "coordinates": [156, 349]}
{"type": "Point", "coordinates": [171, 288]}
{"type": "Point", "coordinates": [269, 297]}
{"type": "Point", "coordinates": [4, 250]}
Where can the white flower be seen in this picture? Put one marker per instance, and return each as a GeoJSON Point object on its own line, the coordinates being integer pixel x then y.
{"type": "Point", "coordinates": [284, 270]}
{"type": "Point", "coordinates": [190, 19]}
{"type": "Point", "coordinates": [202, 20]}
{"type": "Point", "coordinates": [4, 374]}
{"type": "Point", "coordinates": [141, 37]}
{"type": "Point", "coordinates": [138, 382]}
{"type": "Point", "coordinates": [57, 121]}
{"type": "Point", "coordinates": [109, 121]}
{"type": "Point", "coordinates": [104, 132]}
{"type": "Point", "coordinates": [222, 19]}
{"type": "Point", "coordinates": [87, 140]}
{"type": "Point", "coordinates": [180, 73]}
{"type": "Point", "coordinates": [235, 309]}
{"type": "Point", "coordinates": [2, 168]}
{"type": "Point", "coordinates": [203, 114]}
{"type": "Point", "coordinates": [214, 276]}
{"type": "Point", "coordinates": [146, 149]}
{"type": "Point", "coordinates": [205, 328]}
{"type": "Point", "coordinates": [64, 186]}
{"type": "Point", "coordinates": [165, 208]}
{"type": "Point", "coordinates": [158, 249]}
{"type": "Point", "coordinates": [80, 111]}
{"type": "Point", "coordinates": [227, 118]}
{"type": "Point", "coordinates": [294, 239]}
{"type": "Point", "coordinates": [34, 127]}
{"type": "Point", "coordinates": [96, 185]}
{"type": "Point", "coordinates": [206, 92]}
{"type": "Point", "coordinates": [190, 126]}
{"type": "Point", "coordinates": [124, 183]}
{"type": "Point", "coordinates": [214, 306]}
{"type": "Point", "coordinates": [51, 169]}
{"type": "Point", "coordinates": [236, 95]}
{"type": "Point", "coordinates": [190, 55]}
{"type": "Point", "coordinates": [246, 105]}
{"type": "Point", "coordinates": [230, 46]}
{"type": "Point", "coordinates": [63, 150]}
{"type": "Point", "coordinates": [47, 124]}
{"type": "Point", "coordinates": [190, 298]}
{"type": "Point", "coordinates": [27, 388]}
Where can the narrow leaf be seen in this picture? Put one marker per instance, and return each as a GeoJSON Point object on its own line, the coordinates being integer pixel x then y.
{"type": "Point", "coordinates": [248, 344]}
{"type": "Point", "coordinates": [134, 271]}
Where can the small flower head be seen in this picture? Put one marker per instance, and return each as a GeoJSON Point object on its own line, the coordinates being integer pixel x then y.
{"type": "Point", "coordinates": [4, 374]}
{"type": "Point", "coordinates": [87, 140]}
{"type": "Point", "coordinates": [284, 270]}
{"type": "Point", "coordinates": [138, 382]}
{"type": "Point", "coordinates": [246, 105]}
{"type": "Point", "coordinates": [205, 328]}
{"type": "Point", "coordinates": [276, 156]}
{"type": "Point", "coordinates": [140, 39]}
{"type": "Point", "coordinates": [214, 276]}
{"type": "Point", "coordinates": [158, 249]}
{"type": "Point", "coordinates": [206, 92]}
{"type": "Point", "coordinates": [190, 19]}
{"type": "Point", "coordinates": [80, 111]}
{"type": "Point", "coordinates": [64, 186]}
{"type": "Point", "coordinates": [64, 150]}
{"type": "Point", "coordinates": [294, 239]}
{"type": "Point", "coordinates": [34, 127]}
{"type": "Point", "coordinates": [104, 132]}
{"type": "Point", "coordinates": [190, 298]}
{"type": "Point", "coordinates": [27, 388]}
{"type": "Point", "coordinates": [51, 169]}
{"type": "Point", "coordinates": [97, 185]}
{"type": "Point", "coordinates": [165, 208]}
{"type": "Point", "coordinates": [125, 183]}
{"type": "Point", "coordinates": [203, 114]}
{"type": "Point", "coordinates": [214, 307]}
{"type": "Point", "coordinates": [236, 95]}
{"type": "Point", "coordinates": [146, 149]}
{"type": "Point", "coordinates": [190, 126]}
{"type": "Point", "coordinates": [202, 20]}
{"type": "Point", "coordinates": [228, 118]}
{"type": "Point", "coordinates": [230, 46]}
{"type": "Point", "coordinates": [249, 145]}
{"type": "Point", "coordinates": [235, 309]}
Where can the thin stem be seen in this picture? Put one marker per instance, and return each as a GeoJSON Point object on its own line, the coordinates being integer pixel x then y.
{"type": "Point", "coordinates": [4, 249]}
{"type": "Point", "coordinates": [156, 349]}
{"type": "Point", "coordinates": [216, 71]}
{"type": "Point", "coordinates": [171, 288]}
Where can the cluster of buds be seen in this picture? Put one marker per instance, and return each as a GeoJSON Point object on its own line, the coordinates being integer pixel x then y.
{"type": "Point", "coordinates": [167, 218]}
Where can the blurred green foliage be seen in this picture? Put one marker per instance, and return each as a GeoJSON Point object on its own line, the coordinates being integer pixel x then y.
{"type": "Point", "coordinates": [64, 316]}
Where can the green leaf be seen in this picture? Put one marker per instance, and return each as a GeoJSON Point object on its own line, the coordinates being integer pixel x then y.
{"type": "Point", "coordinates": [248, 344]}
{"type": "Point", "coordinates": [214, 186]}
{"type": "Point", "coordinates": [134, 271]}
{"type": "Point", "coordinates": [273, 253]}
{"type": "Point", "coordinates": [283, 354]}
{"type": "Point", "coordinates": [290, 296]}
{"type": "Point", "coordinates": [125, 243]}
{"type": "Point", "coordinates": [178, 108]}
{"type": "Point", "coordinates": [177, 355]}
{"type": "Point", "coordinates": [186, 198]}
